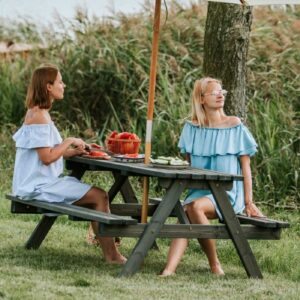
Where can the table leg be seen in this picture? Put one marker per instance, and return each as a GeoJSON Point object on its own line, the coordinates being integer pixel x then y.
{"type": "Point", "coordinates": [152, 229]}
{"type": "Point", "coordinates": [127, 191]}
{"type": "Point", "coordinates": [128, 195]}
{"type": "Point", "coordinates": [77, 173]}
{"type": "Point", "coordinates": [235, 231]}
{"type": "Point", "coordinates": [117, 186]}
{"type": "Point", "coordinates": [180, 213]}
{"type": "Point", "coordinates": [40, 231]}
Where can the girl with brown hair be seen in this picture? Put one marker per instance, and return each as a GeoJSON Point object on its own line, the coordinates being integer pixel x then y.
{"type": "Point", "coordinates": [40, 151]}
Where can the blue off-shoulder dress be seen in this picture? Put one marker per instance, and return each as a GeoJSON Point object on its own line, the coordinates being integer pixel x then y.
{"type": "Point", "coordinates": [34, 180]}
{"type": "Point", "coordinates": [218, 149]}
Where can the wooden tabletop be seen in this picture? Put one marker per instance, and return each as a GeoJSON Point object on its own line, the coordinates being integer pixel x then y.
{"type": "Point", "coordinates": [149, 170]}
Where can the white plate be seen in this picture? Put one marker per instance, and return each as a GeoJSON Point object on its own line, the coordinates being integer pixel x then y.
{"type": "Point", "coordinates": [172, 167]}
{"type": "Point", "coordinates": [123, 158]}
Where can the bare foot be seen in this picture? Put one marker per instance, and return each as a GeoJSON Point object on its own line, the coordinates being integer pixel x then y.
{"type": "Point", "coordinates": [217, 269]}
{"type": "Point", "coordinates": [90, 237]}
{"type": "Point", "coordinates": [116, 260]}
{"type": "Point", "coordinates": [166, 273]}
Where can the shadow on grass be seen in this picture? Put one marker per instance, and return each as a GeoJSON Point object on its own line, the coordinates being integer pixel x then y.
{"type": "Point", "coordinates": [71, 260]}
{"type": "Point", "coordinates": [48, 258]}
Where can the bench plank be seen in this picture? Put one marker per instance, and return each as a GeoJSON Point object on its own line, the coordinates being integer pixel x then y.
{"type": "Point", "coordinates": [190, 231]}
{"type": "Point", "coordinates": [76, 211]}
{"type": "Point", "coordinates": [262, 222]}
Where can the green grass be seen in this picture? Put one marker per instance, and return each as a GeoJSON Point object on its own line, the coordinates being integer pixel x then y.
{"type": "Point", "coordinates": [65, 267]}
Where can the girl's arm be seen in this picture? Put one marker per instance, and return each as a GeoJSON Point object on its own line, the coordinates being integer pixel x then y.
{"type": "Point", "coordinates": [250, 207]}
{"type": "Point", "coordinates": [49, 155]}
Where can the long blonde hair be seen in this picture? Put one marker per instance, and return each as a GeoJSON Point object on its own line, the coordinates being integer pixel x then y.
{"type": "Point", "coordinates": [198, 111]}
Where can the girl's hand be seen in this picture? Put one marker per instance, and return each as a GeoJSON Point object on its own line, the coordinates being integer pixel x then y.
{"type": "Point", "coordinates": [75, 152]}
{"type": "Point", "coordinates": [252, 210]}
{"type": "Point", "coordinates": [77, 143]}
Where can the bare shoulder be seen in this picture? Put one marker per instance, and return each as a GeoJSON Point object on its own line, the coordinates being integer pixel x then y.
{"type": "Point", "coordinates": [233, 121]}
{"type": "Point", "coordinates": [37, 116]}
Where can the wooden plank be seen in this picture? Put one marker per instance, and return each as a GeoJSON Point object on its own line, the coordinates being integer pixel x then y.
{"type": "Point", "coordinates": [127, 191]}
{"type": "Point", "coordinates": [131, 209]}
{"type": "Point", "coordinates": [262, 222]}
{"type": "Point", "coordinates": [190, 231]}
{"type": "Point", "coordinates": [76, 211]}
{"type": "Point", "coordinates": [20, 208]}
{"type": "Point", "coordinates": [40, 232]}
{"type": "Point", "coordinates": [138, 169]}
{"type": "Point", "coordinates": [116, 187]}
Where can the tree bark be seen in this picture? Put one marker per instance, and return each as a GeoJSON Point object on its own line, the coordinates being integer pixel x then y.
{"type": "Point", "coordinates": [226, 42]}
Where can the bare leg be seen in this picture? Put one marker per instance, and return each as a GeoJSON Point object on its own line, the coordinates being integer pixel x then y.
{"type": "Point", "coordinates": [199, 212]}
{"type": "Point", "coordinates": [91, 239]}
{"type": "Point", "coordinates": [175, 254]}
{"type": "Point", "coordinates": [98, 200]}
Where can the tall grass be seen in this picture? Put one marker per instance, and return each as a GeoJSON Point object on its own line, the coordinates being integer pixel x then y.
{"type": "Point", "coordinates": [105, 65]}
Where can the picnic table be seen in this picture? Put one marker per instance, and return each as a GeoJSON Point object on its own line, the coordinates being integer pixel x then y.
{"type": "Point", "coordinates": [124, 218]}
{"type": "Point", "coordinates": [175, 181]}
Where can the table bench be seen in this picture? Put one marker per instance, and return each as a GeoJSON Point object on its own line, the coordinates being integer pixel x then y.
{"type": "Point", "coordinates": [236, 228]}
{"type": "Point", "coordinates": [51, 211]}
{"type": "Point", "coordinates": [258, 229]}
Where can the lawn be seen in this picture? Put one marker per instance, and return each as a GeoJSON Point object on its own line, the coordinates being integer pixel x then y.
{"type": "Point", "coordinates": [65, 267]}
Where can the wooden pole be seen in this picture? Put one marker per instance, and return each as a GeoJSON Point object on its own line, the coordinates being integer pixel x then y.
{"type": "Point", "coordinates": [152, 83]}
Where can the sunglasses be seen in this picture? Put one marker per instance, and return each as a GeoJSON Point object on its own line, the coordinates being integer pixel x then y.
{"type": "Point", "coordinates": [216, 93]}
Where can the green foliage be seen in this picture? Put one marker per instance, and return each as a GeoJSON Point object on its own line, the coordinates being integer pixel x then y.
{"type": "Point", "coordinates": [105, 65]}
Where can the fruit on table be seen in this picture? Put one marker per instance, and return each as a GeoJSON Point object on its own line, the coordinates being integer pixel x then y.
{"type": "Point", "coordinates": [133, 155]}
{"type": "Point", "coordinates": [178, 162]}
{"type": "Point", "coordinates": [168, 160]}
{"type": "Point", "coordinates": [95, 146]}
{"type": "Point", "coordinates": [123, 142]}
{"type": "Point", "coordinates": [98, 154]}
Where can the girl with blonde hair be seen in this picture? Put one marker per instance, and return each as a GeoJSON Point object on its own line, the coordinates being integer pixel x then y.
{"type": "Point", "coordinates": [212, 140]}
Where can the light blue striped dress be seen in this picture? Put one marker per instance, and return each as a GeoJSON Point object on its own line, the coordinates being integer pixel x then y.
{"type": "Point", "coordinates": [34, 180]}
{"type": "Point", "coordinates": [218, 149]}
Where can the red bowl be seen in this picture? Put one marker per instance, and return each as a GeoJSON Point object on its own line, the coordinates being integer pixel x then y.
{"type": "Point", "coordinates": [123, 146]}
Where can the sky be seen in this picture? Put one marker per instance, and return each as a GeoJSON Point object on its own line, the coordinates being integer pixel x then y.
{"type": "Point", "coordinates": [43, 11]}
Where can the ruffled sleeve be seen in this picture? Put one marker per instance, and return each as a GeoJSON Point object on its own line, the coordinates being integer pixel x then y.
{"type": "Point", "coordinates": [36, 136]}
{"type": "Point", "coordinates": [203, 141]}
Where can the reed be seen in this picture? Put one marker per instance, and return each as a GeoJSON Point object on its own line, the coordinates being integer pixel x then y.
{"type": "Point", "coordinates": [105, 65]}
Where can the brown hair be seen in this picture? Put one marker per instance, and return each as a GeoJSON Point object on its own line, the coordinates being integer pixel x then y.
{"type": "Point", "coordinates": [37, 94]}
{"type": "Point", "coordinates": [200, 87]}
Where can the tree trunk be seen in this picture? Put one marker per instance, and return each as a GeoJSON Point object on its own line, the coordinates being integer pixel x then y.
{"type": "Point", "coordinates": [226, 44]}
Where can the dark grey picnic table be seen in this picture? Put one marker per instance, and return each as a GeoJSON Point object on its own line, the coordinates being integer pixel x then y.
{"type": "Point", "coordinates": [174, 181]}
